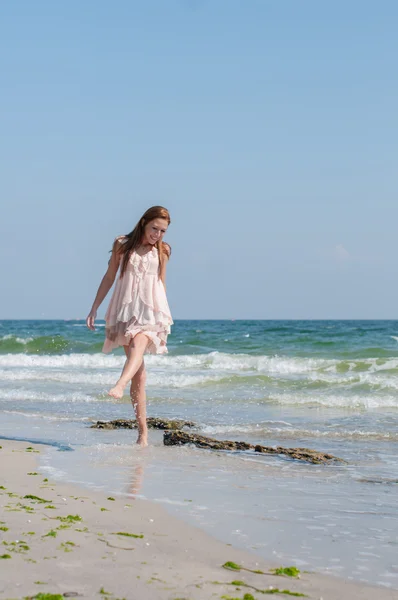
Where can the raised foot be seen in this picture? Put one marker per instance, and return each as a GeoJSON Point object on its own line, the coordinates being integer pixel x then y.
{"type": "Point", "coordinates": [116, 392]}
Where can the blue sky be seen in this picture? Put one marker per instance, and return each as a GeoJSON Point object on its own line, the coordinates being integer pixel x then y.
{"type": "Point", "coordinates": [269, 129]}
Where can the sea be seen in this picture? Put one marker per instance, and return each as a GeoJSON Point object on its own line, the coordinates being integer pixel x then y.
{"type": "Point", "coordinates": [326, 385]}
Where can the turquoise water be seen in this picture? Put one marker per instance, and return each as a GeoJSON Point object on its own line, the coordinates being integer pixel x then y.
{"type": "Point", "coordinates": [329, 385]}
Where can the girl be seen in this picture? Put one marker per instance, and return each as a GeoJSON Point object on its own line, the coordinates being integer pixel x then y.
{"type": "Point", "coordinates": [138, 317]}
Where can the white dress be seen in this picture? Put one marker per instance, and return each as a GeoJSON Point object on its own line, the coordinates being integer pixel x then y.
{"type": "Point", "coordinates": [139, 305]}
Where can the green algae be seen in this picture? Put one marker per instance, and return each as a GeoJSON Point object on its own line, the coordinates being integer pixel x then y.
{"type": "Point", "coordinates": [67, 546]}
{"type": "Point", "coordinates": [51, 533]}
{"type": "Point", "coordinates": [50, 506]}
{"type": "Point", "coordinates": [24, 507]}
{"type": "Point", "coordinates": [239, 583]}
{"type": "Point", "coordinates": [70, 519]}
{"type": "Point", "coordinates": [30, 449]}
{"type": "Point", "coordinates": [245, 597]}
{"type": "Point", "coordinates": [133, 535]}
{"type": "Point", "coordinates": [3, 528]}
{"type": "Point", "coordinates": [32, 473]}
{"type": "Point", "coordinates": [43, 596]}
{"type": "Point", "coordinates": [104, 593]}
{"type": "Point", "coordinates": [19, 547]}
{"type": "Point", "coordinates": [5, 556]}
{"type": "Point", "coordinates": [103, 509]}
{"type": "Point", "coordinates": [110, 498]}
{"type": "Point", "coordinates": [37, 499]}
{"type": "Point", "coordinates": [2, 487]}
{"type": "Point", "coordinates": [286, 592]}
{"type": "Point", "coordinates": [231, 566]}
{"type": "Point", "coordinates": [288, 571]}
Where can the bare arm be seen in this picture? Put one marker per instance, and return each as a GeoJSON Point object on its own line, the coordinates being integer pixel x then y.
{"type": "Point", "coordinates": [105, 285]}
{"type": "Point", "coordinates": [166, 256]}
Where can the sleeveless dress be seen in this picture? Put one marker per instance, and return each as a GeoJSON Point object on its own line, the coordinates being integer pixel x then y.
{"type": "Point", "coordinates": [139, 305]}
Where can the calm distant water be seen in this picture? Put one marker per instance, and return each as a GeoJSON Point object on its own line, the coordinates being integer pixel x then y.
{"type": "Point", "coordinates": [330, 385]}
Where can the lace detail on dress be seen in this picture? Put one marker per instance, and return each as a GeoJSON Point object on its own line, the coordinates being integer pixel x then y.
{"type": "Point", "coordinates": [141, 263]}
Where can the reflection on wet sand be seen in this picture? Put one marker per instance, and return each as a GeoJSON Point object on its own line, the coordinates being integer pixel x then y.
{"type": "Point", "coordinates": [137, 475]}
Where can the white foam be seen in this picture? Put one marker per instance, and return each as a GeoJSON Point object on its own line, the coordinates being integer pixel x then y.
{"type": "Point", "coordinates": [273, 365]}
{"type": "Point", "coordinates": [106, 378]}
{"type": "Point", "coordinates": [292, 432]}
{"type": "Point", "coordinates": [336, 401]}
{"type": "Point", "coordinates": [243, 428]}
{"type": "Point", "coordinates": [93, 361]}
{"type": "Point", "coordinates": [21, 394]}
{"type": "Point", "coordinates": [261, 429]}
{"type": "Point", "coordinates": [372, 378]}
{"type": "Point", "coordinates": [20, 340]}
{"type": "Point", "coordinates": [72, 376]}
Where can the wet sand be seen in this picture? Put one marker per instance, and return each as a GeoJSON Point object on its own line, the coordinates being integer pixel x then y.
{"type": "Point", "coordinates": [68, 540]}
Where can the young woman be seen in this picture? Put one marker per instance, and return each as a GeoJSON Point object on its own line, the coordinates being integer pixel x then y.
{"type": "Point", "coordinates": [138, 317]}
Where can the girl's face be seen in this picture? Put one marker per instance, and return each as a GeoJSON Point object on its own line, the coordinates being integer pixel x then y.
{"type": "Point", "coordinates": [154, 231]}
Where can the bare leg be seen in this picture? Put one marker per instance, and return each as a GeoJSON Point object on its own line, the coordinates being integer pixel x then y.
{"type": "Point", "coordinates": [134, 359]}
{"type": "Point", "coordinates": [138, 399]}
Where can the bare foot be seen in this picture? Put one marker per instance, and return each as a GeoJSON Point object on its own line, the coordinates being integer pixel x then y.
{"type": "Point", "coordinates": [116, 392]}
{"type": "Point", "coordinates": [142, 440]}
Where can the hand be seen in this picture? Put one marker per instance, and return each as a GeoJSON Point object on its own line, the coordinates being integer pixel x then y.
{"type": "Point", "coordinates": [90, 321]}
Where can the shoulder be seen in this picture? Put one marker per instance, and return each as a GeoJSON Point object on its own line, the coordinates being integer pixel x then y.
{"type": "Point", "coordinates": [119, 242]}
{"type": "Point", "coordinates": [166, 249]}
{"type": "Point", "coordinates": [121, 239]}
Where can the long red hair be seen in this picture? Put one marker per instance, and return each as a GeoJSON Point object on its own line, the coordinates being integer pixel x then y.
{"type": "Point", "coordinates": [134, 238]}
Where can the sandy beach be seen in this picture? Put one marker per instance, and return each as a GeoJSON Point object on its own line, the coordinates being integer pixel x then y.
{"type": "Point", "coordinates": [62, 540]}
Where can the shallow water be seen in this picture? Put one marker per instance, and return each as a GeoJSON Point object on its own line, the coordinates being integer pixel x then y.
{"type": "Point", "coordinates": [327, 385]}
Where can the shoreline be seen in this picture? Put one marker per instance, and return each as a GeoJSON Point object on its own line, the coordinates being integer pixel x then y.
{"type": "Point", "coordinates": [88, 555]}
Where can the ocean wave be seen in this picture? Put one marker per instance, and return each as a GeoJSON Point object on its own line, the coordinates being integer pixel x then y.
{"type": "Point", "coordinates": [18, 340]}
{"type": "Point", "coordinates": [365, 382]}
{"type": "Point", "coordinates": [107, 378]}
{"type": "Point", "coordinates": [36, 396]}
{"type": "Point", "coordinates": [34, 415]}
{"type": "Point", "coordinates": [219, 369]}
{"type": "Point", "coordinates": [270, 428]}
{"type": "Point", "coordinates": [213, 361]}
{"type": "Point", "coordinates": [85, 361]}
{"type": "Point", "coordinates": [353, 401]}
{"type": "Point", "coordinates": [47, 344]}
